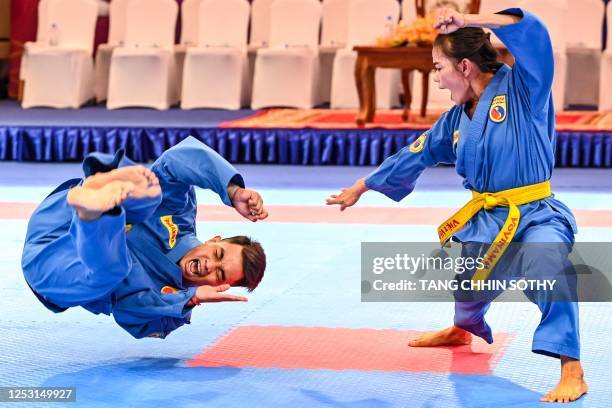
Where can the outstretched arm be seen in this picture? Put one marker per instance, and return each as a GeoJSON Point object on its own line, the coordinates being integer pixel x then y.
{"type": "Point", "coordinates": [192, 163]}
{"type": "Point", "coordinates": [397, 175]}
{"type": "Point", "coordinates": [151, 314]}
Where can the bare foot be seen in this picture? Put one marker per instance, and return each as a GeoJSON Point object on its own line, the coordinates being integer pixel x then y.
{"type": "Point", "coordinates": [90, 204]}
{"type": "Point", "coordinates": [571, 385]}
{"type": "Point", "coordinates": [451, 336]}
{"type": "Point", "coordinates": [144, 180]}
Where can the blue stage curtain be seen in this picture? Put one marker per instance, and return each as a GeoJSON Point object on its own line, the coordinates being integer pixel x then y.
{"type": "Point", "coordinates": [274, 146]}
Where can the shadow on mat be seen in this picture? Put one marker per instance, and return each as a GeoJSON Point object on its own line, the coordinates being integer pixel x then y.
{"type": "Point", "coordinates": [136, 382]}
{"type": "Point", "coordinates": [325, 399]}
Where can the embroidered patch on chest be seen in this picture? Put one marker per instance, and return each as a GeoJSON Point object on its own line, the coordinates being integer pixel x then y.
{"type": "Point", "coordinates": [172, 229]}
{"type": "Point", "coordinates": [168, 290]}
{"type": "Point", "coordinates": [499, 109]}
{"type": "Point", "coordinates": [418, 144]}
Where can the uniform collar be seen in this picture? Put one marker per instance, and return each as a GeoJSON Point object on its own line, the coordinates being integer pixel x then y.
{"type": "Point", "coordinates": [476, 127]}
{"type": "Point", "coordinates": [481, 114]}
{"type": "Point", "coordinates": [185, 244]}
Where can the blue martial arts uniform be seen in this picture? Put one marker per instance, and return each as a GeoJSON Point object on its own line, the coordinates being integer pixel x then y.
{"type": "Point", "coordinates": [508, 143]}
{"type": "Point", "coordinates": [108, 267]}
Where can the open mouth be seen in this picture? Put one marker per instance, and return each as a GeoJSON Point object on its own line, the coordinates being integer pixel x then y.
{"type": "Point", "coordinates": [194, 268]}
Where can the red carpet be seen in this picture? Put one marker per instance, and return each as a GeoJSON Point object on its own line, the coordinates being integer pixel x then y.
{"type": "Point", "coordinates": [391, 119]}
{"type": "Point", "coordinates": [346, 349]}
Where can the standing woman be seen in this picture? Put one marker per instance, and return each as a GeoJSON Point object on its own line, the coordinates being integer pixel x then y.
{"type": "Point", "coordinates": [500, 136]}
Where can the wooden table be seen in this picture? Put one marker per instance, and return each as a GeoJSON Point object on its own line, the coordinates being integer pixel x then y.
{"type": "Point", "coordinates": [404, 58]}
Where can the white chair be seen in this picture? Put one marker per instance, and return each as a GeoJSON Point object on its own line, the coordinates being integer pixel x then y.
{"type": "Point", "coordinates": [605, 82]}
{"type": "Point", "coordinates": [260, 23]}
{"type": "Point", "coordinates": [286, 73]}
{"type": "Point", "coordinates": [259, 35]}
{"type": "Point", "coordinates": [190, 22]}
{"type": "Point", "coordinates": [116, 37]}
{"type": "Point", "coordinates": [58, 69]}
{"type": "Point", "coordinates": [189, 37]}
{"type": "Point", "coordinates": [334, 23]}
{"type": "Point", "coordinates": [334, 35]}
{"type": "Point", "coordinates": [587, 16]}
{"type": "Point", "coordinates": [143, 72]}
{"type": "Point", "coordinates": [216, 69]}
{"type": "Point", "coordinates": [584, 52]}
{"type": "Point", "coordinates": [42, 29]}
{"type": "Point", "coordinates": [554, 15]}
{"type": "Point", "coordinates": [368, 19]}
{"type": "Point", "coordinates": [42, 35]}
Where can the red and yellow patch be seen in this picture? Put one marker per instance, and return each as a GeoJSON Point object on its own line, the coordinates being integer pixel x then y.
{"type": "Point", "coordinates": [418, 144]}
{"type": "Point", "coordinates": [168, 290]}
{"type": "Point", "coordinates": [172, 229]}
{"type": "Point", "coordinates": [499, 110]}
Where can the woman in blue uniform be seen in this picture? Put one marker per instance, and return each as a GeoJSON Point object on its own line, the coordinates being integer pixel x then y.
{"type": "Point", "coordinates": [500, 136]}
{"type": "Point", "coordinates": [123, 240]}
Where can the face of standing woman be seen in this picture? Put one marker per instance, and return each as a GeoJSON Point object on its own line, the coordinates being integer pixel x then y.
{"type": "Point", "coordinates": [452, 75]}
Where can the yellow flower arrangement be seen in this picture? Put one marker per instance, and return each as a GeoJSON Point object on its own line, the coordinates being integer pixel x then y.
{"type": "Point", "coordinates": [420, 32]}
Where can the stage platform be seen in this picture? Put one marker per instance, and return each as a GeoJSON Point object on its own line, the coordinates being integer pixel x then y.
{"type": "Point", "coordinates": [281, 136]}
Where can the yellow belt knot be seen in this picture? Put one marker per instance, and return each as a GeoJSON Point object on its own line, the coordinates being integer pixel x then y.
{"type": "Point", "coordinates": [490, 201]}
{"type": "Point", "coordinates": [511, 198]}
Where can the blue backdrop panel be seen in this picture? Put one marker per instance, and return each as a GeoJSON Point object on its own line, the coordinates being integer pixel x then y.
{"type": "Point", "coordinates": [274, 146]}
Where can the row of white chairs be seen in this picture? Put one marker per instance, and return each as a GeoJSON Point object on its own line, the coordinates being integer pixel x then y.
{"type": "Point", "coordinates": [142, 70]}
{"type": "Point", "coordinates": [140, 66]}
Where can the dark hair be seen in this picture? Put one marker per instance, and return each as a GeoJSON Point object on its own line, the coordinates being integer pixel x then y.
{"type": "Point", "coordinates": [471, 43]}
{"type": "Point", "coordinates": [253, 261]}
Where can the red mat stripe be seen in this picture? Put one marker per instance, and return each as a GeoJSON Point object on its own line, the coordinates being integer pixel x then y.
{"type": "Point", "coordinates": [331, 215]}
{"type": "Point", "coordinates": [317, 348]}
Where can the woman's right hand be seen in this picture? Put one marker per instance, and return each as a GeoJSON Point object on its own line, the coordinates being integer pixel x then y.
{"type": "Point", "coordinates": [349, 196]}
{"type": "Point", "coordinates": [448, 20]}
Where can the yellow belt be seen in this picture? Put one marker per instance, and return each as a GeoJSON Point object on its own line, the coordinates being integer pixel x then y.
{"type": "Point", "coordinates": [508, 198]}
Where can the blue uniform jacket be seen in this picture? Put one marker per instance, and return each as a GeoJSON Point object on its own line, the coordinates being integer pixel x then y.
{"type": "Point", "coordinates": [155, 243]}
